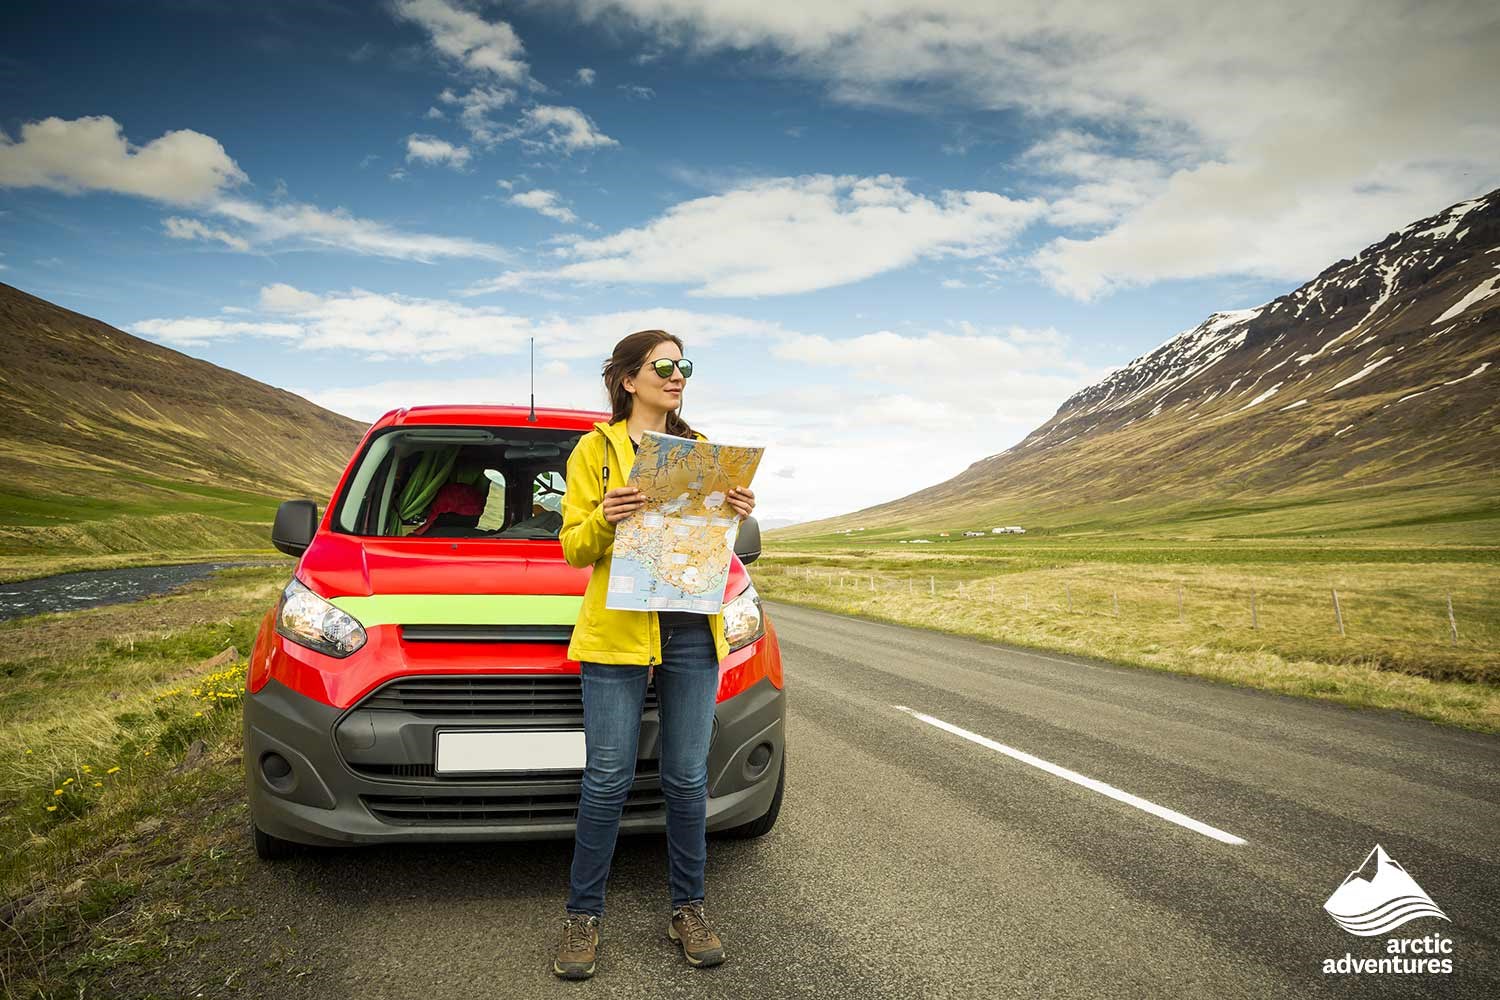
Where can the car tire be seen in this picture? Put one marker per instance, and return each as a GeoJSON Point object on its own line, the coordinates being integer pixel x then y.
{"type": "Point", "coordinates": [269, 848]}
{"type": "Point", "coordinates": [761, 826]}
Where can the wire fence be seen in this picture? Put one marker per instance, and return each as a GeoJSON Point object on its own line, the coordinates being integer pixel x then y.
{"type": "Point", "coordinates": [1406, 615]}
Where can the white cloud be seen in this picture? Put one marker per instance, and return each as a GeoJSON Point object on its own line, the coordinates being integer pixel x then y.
{"type": "Point", "coordinates": [636, 92]}
{"type": "Point", "coordinates": [475, 107]}
{"type": "Point", "coordinates": [828, 410]}
{"type": "Point", "coordinates": [490, 47]}
{"type": "Point", "coordinates": [586, 76]}
{"type": "Point", "coordinates": [431, 149]}
{"type": "Point", "coordinates": [551, 127]}
{"type": "Point", "coordinates": [198, 331]}
{"type": "Point", "coordinates": [310, 225]}
{"type": "Point", "coordinates": [387, 326]}
{"type": "Point", "coordinates": [92, 154]}
{"type": "Point", "coordinates": [792, 234]}
{"type": "Point", "coordinates": [1093, 186]}
{"type": "Point", "coordinates": [546, 202]}
{"type": "Point", "coordinates": [192, 229]}
{"type": "Point", "coordinates": [1264, 140]}
{"type": "Point", "coordinates": [188, 168]}
{"type": "Point", "coordinates": [284, 298]}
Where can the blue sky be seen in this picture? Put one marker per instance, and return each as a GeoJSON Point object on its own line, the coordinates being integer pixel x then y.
{"type": "Point", "coordinates": [895, 236]}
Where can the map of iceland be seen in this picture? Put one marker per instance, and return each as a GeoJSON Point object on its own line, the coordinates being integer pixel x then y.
{"type": "Point", "coordinates": [673, 553]}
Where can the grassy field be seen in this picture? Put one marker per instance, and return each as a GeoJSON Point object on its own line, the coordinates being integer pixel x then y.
{"type": "Point", "coordinates": [1252, 612]}
{"type": "Point", "coordinates": [121, 803]}
{"type": "Point", "coordinates": [139, 520]}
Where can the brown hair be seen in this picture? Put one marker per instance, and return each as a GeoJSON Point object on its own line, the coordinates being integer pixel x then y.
{"type": "Point", "coordinates": [628, 357]}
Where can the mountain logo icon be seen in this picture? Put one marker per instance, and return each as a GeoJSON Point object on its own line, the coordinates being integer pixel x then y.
{"type": "Point", "coordinates": [1378, 897]}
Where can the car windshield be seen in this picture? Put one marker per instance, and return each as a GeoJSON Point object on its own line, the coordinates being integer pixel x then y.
{"type": "Point", "coordinates": [458, 482]}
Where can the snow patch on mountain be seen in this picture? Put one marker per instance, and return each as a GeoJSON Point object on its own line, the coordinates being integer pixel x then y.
{"type": "Point", "coordinates": [1367, 369]}
{"type": "Point", "coordinates": [1478, 294]}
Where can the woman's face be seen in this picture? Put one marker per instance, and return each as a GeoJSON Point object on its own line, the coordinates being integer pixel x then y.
{"type": "Point", "coordinates": [653, 390]}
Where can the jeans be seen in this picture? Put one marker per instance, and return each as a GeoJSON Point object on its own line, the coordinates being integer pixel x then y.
{"type": "Point", "coordinates": [687, 685]}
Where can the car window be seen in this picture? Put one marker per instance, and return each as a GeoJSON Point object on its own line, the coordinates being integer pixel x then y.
{"type": "Point", "coordinates": [458, 483]}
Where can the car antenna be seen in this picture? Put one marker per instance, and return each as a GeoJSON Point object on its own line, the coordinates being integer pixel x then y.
{"type": "Point", "coordinates": [531, 417]}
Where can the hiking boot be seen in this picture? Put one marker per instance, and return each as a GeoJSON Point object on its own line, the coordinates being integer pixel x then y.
{"type": "Point", "coordinates": [689, 928]}
{"type": "Point", "coordinates": [580, 940]}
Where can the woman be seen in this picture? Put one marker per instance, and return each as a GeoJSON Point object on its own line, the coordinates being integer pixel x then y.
{"type": "Point", "coordinates": [618, 650]}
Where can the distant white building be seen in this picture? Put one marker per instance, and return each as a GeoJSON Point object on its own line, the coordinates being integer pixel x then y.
{"type": "Point", "coordinates": [1012, 529]}
{"type": "Point", "coordinates": [973, 534]}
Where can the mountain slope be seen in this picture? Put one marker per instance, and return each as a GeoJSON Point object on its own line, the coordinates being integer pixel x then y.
{"type": "Point", "coordinates": [1381, 372]}
{"type": "Point", "coordinates": [99, 423]}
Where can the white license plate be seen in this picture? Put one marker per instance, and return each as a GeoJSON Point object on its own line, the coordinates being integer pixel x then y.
{"type": "Point", "coordinates": [475, 752]}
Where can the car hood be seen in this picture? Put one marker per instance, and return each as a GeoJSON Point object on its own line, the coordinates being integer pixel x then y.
{"type": "Point", "coordinates": [353, 566]}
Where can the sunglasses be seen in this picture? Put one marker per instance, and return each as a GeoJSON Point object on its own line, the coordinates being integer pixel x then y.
{"type": "Point", "coordinates": [663, 367]}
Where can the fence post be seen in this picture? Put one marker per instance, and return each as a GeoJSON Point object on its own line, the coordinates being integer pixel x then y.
{"type": "Point", "coordinates": [1069, 589]}
{"type": "Point", "coordinates": [932, 585]}
{"type": "Point", "coordinates": [1180, 619]}
{"type": "Point", "coordinates": [1254, 619]}
{"type": "Point", "coordinates": [908, 583]}
{"type": "Point", "coordinates": [1115, 596]}
{"type": "Point", "coordinates": [960, 588]}
{"type": "Point", "coordinates": [872, 583]}
{"type": "Point", "coordinates": [992, 591]}
{"type": "Point", "coordinates": [1338, 612]}
{"type": "Point", "coordinates": [1452, 623]}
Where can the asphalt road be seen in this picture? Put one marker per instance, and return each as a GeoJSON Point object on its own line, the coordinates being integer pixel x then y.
{"type": "Point", "coordinates": [913, 861]}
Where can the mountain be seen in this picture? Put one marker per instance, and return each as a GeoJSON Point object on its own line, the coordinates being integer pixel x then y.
{"type": "Point", "coordinates": [1380, 374]}
{"type": "Point", "coordinates": [100, 424]}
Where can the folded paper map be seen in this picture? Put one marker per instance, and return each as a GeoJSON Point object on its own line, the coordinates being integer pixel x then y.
{"type": "Point", "coordinates": [673, 553]}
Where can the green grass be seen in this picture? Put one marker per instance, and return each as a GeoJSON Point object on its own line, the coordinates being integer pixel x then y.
{"type": "Point", "coordinates": [109, 855]}
{"type": "Point", "coordinates": [155, 496]}
{"type": "Point", "coordinates": [1119, 602]}
{"type": "Point", "coordinates": [1418, 513]}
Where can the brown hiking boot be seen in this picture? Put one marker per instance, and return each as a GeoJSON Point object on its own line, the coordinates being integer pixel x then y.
{"type": "Point", "coordinates": [580, 940]}
{"type": "Point", "coordinates": [689, 928]}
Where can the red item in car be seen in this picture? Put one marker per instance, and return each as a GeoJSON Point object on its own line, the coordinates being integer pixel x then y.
{"type": "Point", "coordinates": [455, 498]}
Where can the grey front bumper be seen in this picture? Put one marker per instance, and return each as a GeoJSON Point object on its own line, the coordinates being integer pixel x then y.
{"type": "Point", "coordinates": [323, 800]}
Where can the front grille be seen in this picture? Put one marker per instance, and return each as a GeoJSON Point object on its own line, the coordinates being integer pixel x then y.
{"type": "Point", "coordinates": [500, 697]}
{"type": "Point", "coordinates": [559, 805]}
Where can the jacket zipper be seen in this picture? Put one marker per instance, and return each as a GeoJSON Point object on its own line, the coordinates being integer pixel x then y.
{"type": "Point", "coordinates": [650, 660]}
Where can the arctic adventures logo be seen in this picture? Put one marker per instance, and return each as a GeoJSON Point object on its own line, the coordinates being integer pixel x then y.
{"type": "Point", "coordinates": [1375, 899]}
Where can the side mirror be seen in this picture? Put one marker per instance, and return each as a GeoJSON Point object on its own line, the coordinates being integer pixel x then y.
{"type": "Point", "coordinates": [297, 521]}
{"type": "Point", "coordinates": [747, 542]}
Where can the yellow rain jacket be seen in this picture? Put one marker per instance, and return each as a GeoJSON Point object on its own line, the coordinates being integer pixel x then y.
{"type": "Point", "coordinates": [602, 635]}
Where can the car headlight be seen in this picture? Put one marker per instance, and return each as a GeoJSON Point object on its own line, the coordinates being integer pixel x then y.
{"type": "Point", "coordinates": [743, 621]}
{"type": "Point", "coordinates": [308, 620]}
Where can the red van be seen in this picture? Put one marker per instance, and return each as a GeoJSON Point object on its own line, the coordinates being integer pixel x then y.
{"type": "Point", "coordinates": [431, 607]}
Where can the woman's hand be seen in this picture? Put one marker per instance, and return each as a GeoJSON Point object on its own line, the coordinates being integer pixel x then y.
{"type": "Point", "coordinates": [742, 500]}
{"type": "Point", "coordinates": [621, 502]}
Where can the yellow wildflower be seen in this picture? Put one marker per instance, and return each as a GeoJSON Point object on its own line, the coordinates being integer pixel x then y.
{"type": "Point", "coordinates": [28, 751]}
{"type": "Point", "coordinates": [112, 770]}
{"type": "Point", "coordinates": [57, 791]}
{"type": "Point", "coordinates": [197, 715]}
{"type": "Point", "coordinates": [86, 769]}
{"type": "Point", "coordinates": [52, 809]}
{"type": "Point", "coordinates": [67, 782]}
{"type": "Point", "coordinates": [98, 784]}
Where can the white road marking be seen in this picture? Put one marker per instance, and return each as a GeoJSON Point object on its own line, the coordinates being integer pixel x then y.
{"type": "Point", "coordinates": [1170, 815]}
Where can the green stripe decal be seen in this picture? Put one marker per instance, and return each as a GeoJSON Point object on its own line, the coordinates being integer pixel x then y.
{"type": "Point", "coordinates": [461, 609]}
